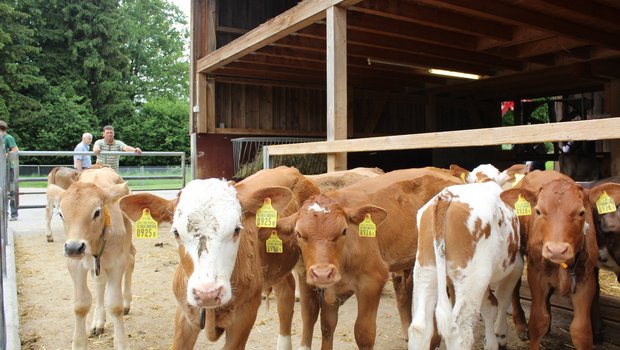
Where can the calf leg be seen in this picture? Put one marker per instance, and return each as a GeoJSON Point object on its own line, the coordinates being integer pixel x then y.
{"type": "Point", "coordinates": [49, 211]}
{"type": "Point", "coordinates": [469, 295]}
{"type": "Point", "coordinates": [518, 315]}
{"type": "Point", "coordinates": [595, 315]}
{"type": "Point", "coordinates": [239, 331]}
{"type": "Point", "coordinates": [503, 292]}
{"type": "Point", "coordinates": [580, 327]}
{"type": "Point", "coordinates": [285, 294]}
{"type": "Point", "coordinates": [185, 332]}
{"type": "Point", "coordinates": [540, 318]}
{"type": "Point", "coordinates": [403, 288]}
{"type": "Point", "coordinates": [423, 309]}
{"type": "Point", "coordinates": [366, 321]}
{"type": "Point", "coordinates": [98, 322]}
{"type": "Point", "coordinates": [114, 301]}
{"type": "Point", "coordinates": [488, 310]}
{"type": "Point", "coordinates": [310, 306]}
{"type": "Point", "coordinates": [329, 320]}
{"type": "Point", "coordinates": [127, 278]}
{"type": "Point", "coordinates": [81, 303]}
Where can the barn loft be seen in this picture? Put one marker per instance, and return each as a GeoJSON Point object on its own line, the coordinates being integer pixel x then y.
{"type": "Point", "coordinates": [361, 74]}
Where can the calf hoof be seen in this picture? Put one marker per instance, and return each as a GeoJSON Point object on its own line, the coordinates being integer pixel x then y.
{"type": "Point", "coordinates": [524, 335]}
{"type": "Point", "coordinates": [50, 238]}
{"type": "Point", "coordinates": [96, 332]}
{"type": "Point", "coordinates": [125, 311]}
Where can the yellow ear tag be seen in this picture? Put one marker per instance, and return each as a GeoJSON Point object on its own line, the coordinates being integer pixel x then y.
{"type": "Point", "coordinates": [564, 266]}
{"type": "Point", "coordinates": [146, 227]}
{"type": "Point", "coordinates": [367, 228]}
{"type": "Point", "coordinates": [518, 178]}
{"type": "Point", "coordinates": [266, 216]}
{"type": "Point", "coordinates": [274, 243]}
{"type": "Point", "coordinates": [463, 178]}
{"type": "Point", "coordinates": [523, 207]}
{"type": "Point", "coordinates": [605, 204]}
{"type": "Point", "coordinates": [106, 213]}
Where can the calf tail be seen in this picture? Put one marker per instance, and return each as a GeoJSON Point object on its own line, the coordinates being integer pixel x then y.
{"type": "Point", "coordinates": [51, 177]}
{"type": "Point", "coordinates": [443, 312]}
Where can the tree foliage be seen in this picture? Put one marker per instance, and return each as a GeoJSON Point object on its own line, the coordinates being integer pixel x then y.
{"type": "Point", "coordinates": [69, 67]}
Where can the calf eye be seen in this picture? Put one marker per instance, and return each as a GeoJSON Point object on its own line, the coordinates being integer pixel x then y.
{"type": "Point", "coordinates": [97, 214]}
{"type": "Point", "coordinates": [537, 212]}
{"type": "Point", "coordinates": [60, 214]}
{"type": "Point", "coordinates": [175, 232]}
{"type": "Point", "coordinates": [582, 213]}
{"type": "Point", "coordinates": [344, 232]}
{"type": "Point", "coordinates": [237, 230]}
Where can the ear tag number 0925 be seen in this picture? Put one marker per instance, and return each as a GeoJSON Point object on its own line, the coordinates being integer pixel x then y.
{"type": "Point", "coordinates": [266, 216]}
{"type": "Point", "coordinates": [146, 227]}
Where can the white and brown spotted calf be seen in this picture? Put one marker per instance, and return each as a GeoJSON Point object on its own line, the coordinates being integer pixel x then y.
{"type": "Point", "coordinates": [62, 177]}
{"type": "Point", "coordinates": [468, 242]}
{"type": "Point", "coordinates": [224, 266]}
{"type": "Point", "coordinates": [98, 239]}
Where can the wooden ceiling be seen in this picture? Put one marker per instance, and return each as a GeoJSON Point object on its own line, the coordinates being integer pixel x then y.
{"type": "Point", "coordinates": [521, 48]}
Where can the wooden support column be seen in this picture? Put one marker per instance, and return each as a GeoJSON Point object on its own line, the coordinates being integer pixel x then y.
{"type": "Point", "coordinates": [336, 38]}
{"type": "Point", "coordinates": [612, 106]}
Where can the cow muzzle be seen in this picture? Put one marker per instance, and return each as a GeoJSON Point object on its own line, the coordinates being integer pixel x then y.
{"type": "Point", "coordinates": [558, 252]}
{"type": "Point", "coordinates": [75, 249]}
{"type": "Point", "coordinates": [323, 276]}
{"type": "Point", "coordinates": [208, 294]}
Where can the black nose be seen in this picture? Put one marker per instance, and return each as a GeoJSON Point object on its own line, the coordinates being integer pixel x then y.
{"type": "Point", "coordinates": [74, 248]}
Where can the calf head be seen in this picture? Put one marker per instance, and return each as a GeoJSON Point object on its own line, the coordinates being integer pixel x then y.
{"type": "Point", "coordinates": [322, 226]}
{"type": "Point", "coordinates": [206, 221]}
{"type": "Point", "coordinates": [609, 222]}
{"type": "Point", "coordinates": [85, 209]}
{"type": "Point", "coordinates": [559, 222]}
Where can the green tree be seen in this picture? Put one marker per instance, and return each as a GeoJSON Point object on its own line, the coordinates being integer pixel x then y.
{"type": "Point", "coordinates": [157, 32]}
{"type": "Point", "coordinates": [19, 77]}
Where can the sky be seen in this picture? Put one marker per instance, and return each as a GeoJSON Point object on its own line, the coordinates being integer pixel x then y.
{"type": "Point", "coordinates": [184, 5]}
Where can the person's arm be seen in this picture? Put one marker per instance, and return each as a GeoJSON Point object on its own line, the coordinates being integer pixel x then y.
{"type": "Point", "coordinates": [78, 164]}
{"type": "Point", "coordinates": [128, 148]}
{"type": "Point", "coordinates": [96, 148]}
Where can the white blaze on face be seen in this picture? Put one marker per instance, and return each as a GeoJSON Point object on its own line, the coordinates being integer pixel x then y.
{"type": "Point", "coordinates": [317, 208]}
{"type": "Point", "coordinates": [207, 219]}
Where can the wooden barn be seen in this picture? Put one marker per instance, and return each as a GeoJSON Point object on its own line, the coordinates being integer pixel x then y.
{"type": "Point", "coordinates": [362, 73]}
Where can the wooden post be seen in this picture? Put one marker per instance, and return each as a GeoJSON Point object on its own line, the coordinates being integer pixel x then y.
{"type": "Point", "coordinates": [612, 106]}
{"type": "Point", "coordinates": [336, 38]}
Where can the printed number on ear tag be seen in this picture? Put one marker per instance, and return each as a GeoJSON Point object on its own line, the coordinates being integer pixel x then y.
{"type": "Point", "coordinates": [266, 216]}
{"type": "Point", "coordinates": [274, 243]}
{"type": "Point", "coordinates": [146, 227]}
{"type": "Point", "coordinates": [605, 204]}
{"type": "Point", "coordinates": [523, 207]}
{"type": "Point", "coordinates": [367, 228]}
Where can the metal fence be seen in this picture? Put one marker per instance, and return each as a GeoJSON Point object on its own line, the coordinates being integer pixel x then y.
{"type": "Point", "coordinates": [44, 170]}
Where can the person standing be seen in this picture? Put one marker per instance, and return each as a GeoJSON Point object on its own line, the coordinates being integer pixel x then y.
{"type": "Point", "coordinates": [109, 144]}
{"type": "Point", "coordinates": [10, 146]}
{"type": "Point", "coordinates": [81, 162]}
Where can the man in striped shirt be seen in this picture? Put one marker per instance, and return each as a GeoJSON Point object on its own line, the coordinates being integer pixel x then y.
{"type": "Point", "coordinates": [109, 144]}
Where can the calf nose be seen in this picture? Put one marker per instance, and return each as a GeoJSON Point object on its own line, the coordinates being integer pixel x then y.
{"type": "Point", "coordinates": [557, 252]}
{"type": "Point", "coordinates": [74, 248]}
{"type": "Point", "coordinates": [207, 294]}
{"type": "Point", "coordinates": [323, 275]}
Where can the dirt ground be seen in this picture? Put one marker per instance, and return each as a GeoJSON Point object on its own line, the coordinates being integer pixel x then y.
{"type": "Point", "coordinates": [45, 303]}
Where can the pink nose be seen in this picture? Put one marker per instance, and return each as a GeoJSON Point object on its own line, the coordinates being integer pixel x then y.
{"type": "Point", "coordinates": [557, 251]}
{"type": "Point", "coordinates": [207, 294]}
{"type": "Point", "coordinates": [323, 274]}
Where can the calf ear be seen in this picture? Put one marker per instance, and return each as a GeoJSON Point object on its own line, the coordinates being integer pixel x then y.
{"type": "Point", "coordinates": [511, 196]}
{"type": "Point", "coordinates": [114, 192]}
{"type": "Point", "coordinates": [459, 172]}
{"type": "Point", "coordinates": [162, 210]}
{"type": "Point", "coordinates": [612, 189]}
{"type": "Point", "coordinates": [280, 197]}
{"type": "Point", "coordinates": [357, 215]}
{"type": "Point", "coordinates": [509, 174]}
{"type": "Point", "coordinates": [286, 226]}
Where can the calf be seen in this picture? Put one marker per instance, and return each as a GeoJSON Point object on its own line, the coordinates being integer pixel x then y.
{"type": "Point", "coordinates": [468, 239]}
{"type": "Point", "coordinates": [561, 251]}
{"type": "Point", "coordinates": [99, 239]}
{"type": "Point", "coordinates": [200, 213]}
{"type": "Point", "coordinates": [340, 262]}
{"type": "Point", "coordinates": [61, 177]}
{"type": "Point", "coordinates": [339, 179]}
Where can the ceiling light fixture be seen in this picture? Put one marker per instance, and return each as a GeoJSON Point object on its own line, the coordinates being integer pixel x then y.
{"type": "Point", "coordinates": [450, 73]}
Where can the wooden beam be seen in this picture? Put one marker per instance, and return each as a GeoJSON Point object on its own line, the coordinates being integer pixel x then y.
{"type": "Point", "coordinates": [598, 129]}
{"type": "Point", "coordinates": [201, 114]}
{"type": "Point", "coordinates": [296, 18]}
{"type": "Point", "coordinates": [438, 18]}
{"type": "Point", "coordinates": [505, 12]}
{"type": "Point", "coordinates": [336, 40]}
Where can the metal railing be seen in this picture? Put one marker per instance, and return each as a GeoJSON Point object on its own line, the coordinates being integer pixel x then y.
{"type": "Point", "coordinates": [15, 185]}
